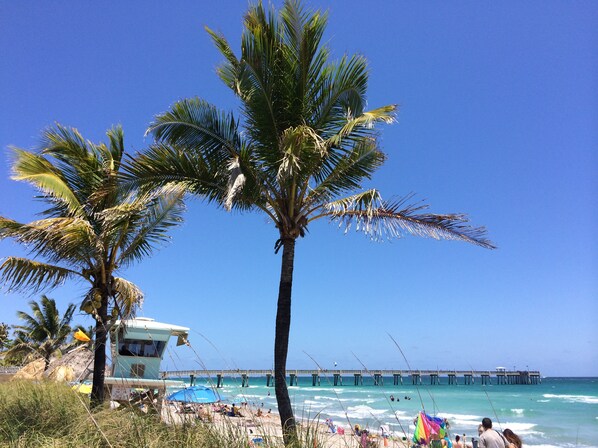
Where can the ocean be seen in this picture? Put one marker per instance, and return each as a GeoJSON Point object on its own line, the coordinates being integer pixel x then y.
{"type": "Point", "coordinates": [559, 412]}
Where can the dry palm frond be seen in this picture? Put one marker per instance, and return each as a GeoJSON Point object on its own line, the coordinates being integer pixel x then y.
{"type": "Point", "coordinates": [128, 297]}
{"type": "Point", "coordinates": [236, 182]}
{"type": "Point", "coordinates": [382, 220]}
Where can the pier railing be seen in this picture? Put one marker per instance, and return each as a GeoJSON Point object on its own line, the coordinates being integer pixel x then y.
{"type": "Point", "coordinates": [337, 375]}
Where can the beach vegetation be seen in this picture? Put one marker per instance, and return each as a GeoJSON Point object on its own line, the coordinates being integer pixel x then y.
{"type": "Point", "coordinates": [52, 414]}
{"type": "Point", "coordinates": [301, 149]}
{"type": "Point", "coordinates": [90, 231]}
{"type": "Point", "coordinates": [44, 333]}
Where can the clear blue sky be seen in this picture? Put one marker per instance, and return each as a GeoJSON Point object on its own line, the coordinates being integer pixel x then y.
{"type": "Point", "coordinates": [498, 119]}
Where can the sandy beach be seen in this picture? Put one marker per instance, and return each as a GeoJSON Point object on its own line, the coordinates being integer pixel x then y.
{"type": "Point", "coordinates": [264, 428]}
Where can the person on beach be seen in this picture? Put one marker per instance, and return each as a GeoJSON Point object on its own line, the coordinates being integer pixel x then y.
{"type": "Point", "coordinates": [457, 443]}
{"type": "Point", "coordinates": [331, 425]}
{"type": "Point", "coordinates": [491, 438]}
{"type": "Point", "coordinates": [513, 439]}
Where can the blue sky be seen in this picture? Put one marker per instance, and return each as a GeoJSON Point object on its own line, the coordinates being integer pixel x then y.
{"type": "Point", "coordinates": [498, 112]}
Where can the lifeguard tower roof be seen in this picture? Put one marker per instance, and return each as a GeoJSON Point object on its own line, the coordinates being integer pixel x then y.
{"type": "Point", "coordinates": [149, 324]}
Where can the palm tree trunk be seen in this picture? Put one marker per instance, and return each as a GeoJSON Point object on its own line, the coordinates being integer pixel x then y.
{"type": "Point", "coordinates": [281, 342]}
{"type": "Point", "coordinates": [99, 355]}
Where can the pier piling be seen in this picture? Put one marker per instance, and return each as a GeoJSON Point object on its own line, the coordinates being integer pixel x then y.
{"type": "Point", "coordinates": [396, 377]}
{"type": "Point", "coordinates": [485, 379]}
{"type": "Point", "coordinates": [293, 379]}
{"type": "Point", "coordinates": [358, 379]}
{"type": "Point", "coordinates": [315, 379]}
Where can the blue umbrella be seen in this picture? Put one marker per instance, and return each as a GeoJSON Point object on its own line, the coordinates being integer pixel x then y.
{"type": "Point", "coordinates": [195, 394]}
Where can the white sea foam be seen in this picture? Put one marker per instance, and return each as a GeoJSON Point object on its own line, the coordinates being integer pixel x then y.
{"type": "Point", "coordinates": [462, 419]}
{"type": "Point", "coordinates": [460, 416]}
{"type": "Point", "coordinates": [566, 445]}
{"type": "Point", "coordinates": [574, 398]}
{"type": "Point", "coordinates": [521, 428]}
{"type": "Point", "coordinates": [542, 446]}
{"type": "Point", "coordinates": [517, 411]}
{"type": "Point", "coordinates": [313, 402]}
{"type": "Point", "coordinates": [324, 397]}
{"type": "Point", "coordinates": [358, 412]}
{"type": "Point", "coordinates": [543, 401]}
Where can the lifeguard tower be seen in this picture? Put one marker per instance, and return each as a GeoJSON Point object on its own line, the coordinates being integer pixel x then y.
{"type": "Point", "coordinates": [137, 347]}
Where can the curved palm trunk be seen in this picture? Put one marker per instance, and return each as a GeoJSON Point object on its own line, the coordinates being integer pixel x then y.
{"type": "Point", "coordinates": [281, 342]}
{"type": "Point", "coordinates": [99, 355]}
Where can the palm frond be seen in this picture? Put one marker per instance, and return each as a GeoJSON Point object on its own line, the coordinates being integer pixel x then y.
{"type": "Point", "coordinates": [382, 220]}
{"type": "Point", "coordinates": [158, 213]}
{"type": "Point", "coordinates": [302, 31]}
{"type": "Point", "coordinates": [341, 92]}
{"type": "Point", "coordinates": [39, 172]}
{"type": "Point", "coordinates": [346, 172]}
{"type": "Point", "coordinates": [231, 71]}
{"type": "Point", "coordinates": [163, 164]}
{"type": "Point", "coordinates": [78, 160]}
{"type": "Point", "coordinates": [57, 239]}
{"type": "Point", "coordinates": [24, 275]}
{"type": "Point", "coordinates": [117, 147]}
{"type": "Point", "coordinates": [128, 297]}
{"type": "Point", "coordinates": [365, 121]}
{"type": "Point", "coordinates": [198, 127]}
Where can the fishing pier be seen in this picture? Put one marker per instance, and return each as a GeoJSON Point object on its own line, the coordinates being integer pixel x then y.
{"type": "Point", "coordinates": [355, 377]}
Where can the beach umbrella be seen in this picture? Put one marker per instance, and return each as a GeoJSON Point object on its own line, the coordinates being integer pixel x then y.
{"type": "Point", "coordinates": [422, 431]}
{"type": "Point", "coordinates": [195, 394]}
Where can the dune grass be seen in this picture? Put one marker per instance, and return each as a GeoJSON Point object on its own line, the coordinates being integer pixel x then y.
{"type": "Point", "coordinates": [48, 414]}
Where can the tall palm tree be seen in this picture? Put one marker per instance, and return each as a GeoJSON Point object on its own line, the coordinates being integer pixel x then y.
{"type": "Point", "coordinates": [44, 333]}
{"type": "Point", "coordinates": [91, 230]}
{"type": "Point", "coordinates": [306, 146]}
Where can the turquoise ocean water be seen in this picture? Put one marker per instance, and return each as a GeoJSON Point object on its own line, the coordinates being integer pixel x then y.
{"type": "Point", "coordinates": [559, 412]}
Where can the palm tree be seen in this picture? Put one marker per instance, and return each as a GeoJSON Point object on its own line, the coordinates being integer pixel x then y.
{"type": "Point", "coordinates": [45, 331]}
{"type": "Point", "coordinates": [4, 336]}
{"type": "Point", "coordinates": [91, 230]}
{"type": "Point", "coordinates": [306, 147]}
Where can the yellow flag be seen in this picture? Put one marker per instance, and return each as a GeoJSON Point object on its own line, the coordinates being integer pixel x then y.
{"type": "Point", "coordinates": [80, 336]}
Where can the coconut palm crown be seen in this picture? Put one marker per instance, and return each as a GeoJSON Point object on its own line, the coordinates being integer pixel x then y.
{"type": "Point", "coordinates": [91, 230]}
{"type": "Point", "coordinates": [44, 332]}
{"type": "Point", "coordinates": [300, 151]}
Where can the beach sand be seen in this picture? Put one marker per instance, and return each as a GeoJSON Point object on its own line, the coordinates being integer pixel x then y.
{"type": "Point", "coordinates": [268, 427]}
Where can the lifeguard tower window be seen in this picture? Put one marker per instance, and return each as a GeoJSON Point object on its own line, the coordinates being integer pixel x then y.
{"type": "Point", "coordinates": [136, 347]}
